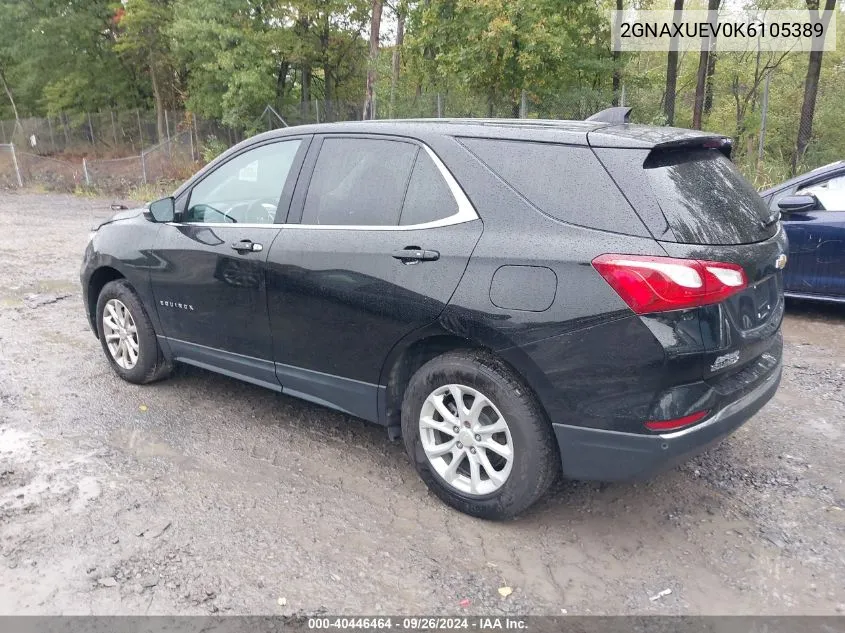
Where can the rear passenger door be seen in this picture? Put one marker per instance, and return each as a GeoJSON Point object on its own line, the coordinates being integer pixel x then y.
{"type": "Point", "coordinates": [381, 237]}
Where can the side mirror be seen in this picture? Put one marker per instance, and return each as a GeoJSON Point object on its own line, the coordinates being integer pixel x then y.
{"type": "Point", "coordinates": [796, 204]}
{"type": "Point", "coordinates": [163, 210]}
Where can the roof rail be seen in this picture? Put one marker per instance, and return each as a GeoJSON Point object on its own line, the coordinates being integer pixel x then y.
{"type": "Point", "coordinates": [612, 115]}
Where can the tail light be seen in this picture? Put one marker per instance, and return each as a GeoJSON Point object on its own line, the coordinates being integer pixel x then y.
{"type": "Point", "coordinates": [677, 423]}
{"type": "Point", "coordinates": [657, 284]}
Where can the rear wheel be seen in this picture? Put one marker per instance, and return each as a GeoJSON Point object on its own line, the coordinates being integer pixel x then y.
{"type": "Point", "coordinates": [127, 335]}
{"type": "Point", "coordinates": [477, 436]}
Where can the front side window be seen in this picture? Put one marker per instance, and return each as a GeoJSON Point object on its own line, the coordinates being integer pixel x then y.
{"type": "Point", "coordinates": [359, 181]}
{"type": "Point", "coordinates": [830, 193]}
{"type": "Point", "coordinates": [245, 189]}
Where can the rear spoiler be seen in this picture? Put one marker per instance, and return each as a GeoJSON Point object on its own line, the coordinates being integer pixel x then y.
{"type": "Point", "coordinates": [721, 143]}
{"type": "Point", "coordinates": [658, 139]}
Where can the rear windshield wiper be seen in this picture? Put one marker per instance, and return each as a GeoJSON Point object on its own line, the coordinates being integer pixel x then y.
{"type": "Point", "coordinates": [764, 224]}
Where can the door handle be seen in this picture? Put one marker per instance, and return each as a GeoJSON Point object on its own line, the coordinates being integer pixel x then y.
{"type": "Point", "coordinates": [247, 246]}
{"type": "Point", "coordinates": [414, 255]}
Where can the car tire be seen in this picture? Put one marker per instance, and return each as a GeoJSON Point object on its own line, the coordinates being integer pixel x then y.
{"type": "Point", "coordinates": [534, 462]}
{"type": "Point", "coordinates": [121, 314]}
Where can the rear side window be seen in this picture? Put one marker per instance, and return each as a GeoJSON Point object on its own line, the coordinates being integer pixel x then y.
{"type": "Point", "coordinates": [428, 198]}
{"type": "Point", "coordinates": [564, 181]}
{"type": "Point", "coordinates": [359, 181]}
{"type": "Point", "coordinates": [705, 199]}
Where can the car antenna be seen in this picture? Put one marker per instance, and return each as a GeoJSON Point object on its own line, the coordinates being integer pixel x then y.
{"type": "Point", "coordinates": [619, 114]}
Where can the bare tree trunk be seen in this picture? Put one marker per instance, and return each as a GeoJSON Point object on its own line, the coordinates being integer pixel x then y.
{"type": "Point", "coordinates": [397, 56]}
{"type": "Point", "coordinates": [617, 71]}
{"type": "Point", "coordinates": [305, 98]}
{"type": "Point", "coordinates": [282, 81]}
{"type": "Point", "coordinates": [327, 91]}
{"type": "Point", "coordinates": [672, 73]}
{"type": "Point", "coordinates": [703, 66]}
{"type": "Point", "coordinates": [811, 90]}
{"type": "Point", "coordinates": [11, 100]}
{"type": "Point", "coordinates": [700, 84]}
{"type": "Point", "coordinates": [375, 27]}
{"type": "Point", "coordinates": [708, 86]}
{"type": "Point", "coordinates": [327, 68]}
{"type": "Point", "coordinates": [159, 105]}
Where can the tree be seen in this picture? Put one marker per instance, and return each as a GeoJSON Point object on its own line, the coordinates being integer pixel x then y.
{"type": "Point", "coordinates": [496, 49]}
{"type": "Point", "coordinates": [617, 70]}
{"type": "Point", "coordinates": [708, 86]}
{"type": "Point", "coordinates": [702, 76]}
{"type": "Point", "coordinates": [811, 88]}
{"type": "Point", "coordinates": [672, 72]}
{"type": "Point", "coordinates": [59, 55]}
{"type": "Point", "coordinates": [142, 38]}
{"type": "Point", "coordinates": [10, 16]}
{"type": "Point", "coordinates": [396, 58]}
{"type": "Point", "coordinates": [375, 28]}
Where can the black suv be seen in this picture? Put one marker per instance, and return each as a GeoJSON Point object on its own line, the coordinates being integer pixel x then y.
{"type": "Point", "coordinates": [515, 299]}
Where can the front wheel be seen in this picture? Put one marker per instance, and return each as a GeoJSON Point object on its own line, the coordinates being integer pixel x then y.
{"type": "Point", "coordinates": [127, 335]}
{"type": "Point", "coordinates": [477, 436]}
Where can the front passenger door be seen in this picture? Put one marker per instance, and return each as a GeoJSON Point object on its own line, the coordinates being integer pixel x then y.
{"type": "Point", "coordinates": [817, 241]}
{"type": "Point", "coordinates": [210, 290]}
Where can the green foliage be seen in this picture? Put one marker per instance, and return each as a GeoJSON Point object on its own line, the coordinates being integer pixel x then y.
{"type": "Point", "coordinates": [229, 59]}
{"type": "Point", "coordinates": [212, 148]}
{"type": "Point", "coordinates": [151, 191]}
{"type": "Point", "coordinates": [497, 48]}
{"type": "Point", "coordinates": [239, 57]}
{"type": "Point", "coordinates": [59, 56]}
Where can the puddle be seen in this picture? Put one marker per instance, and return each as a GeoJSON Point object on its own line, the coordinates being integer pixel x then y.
{"type": "Point", "coordinates": [39, 476]}
{"type": "Point", "coordinates": [16, 445]}
{"type": "Point", "coordinates": [145, 445]}
{"type": "Point", "coordinates": [44, 290]}
{"type": "Point", "coordinates": [88, 489]}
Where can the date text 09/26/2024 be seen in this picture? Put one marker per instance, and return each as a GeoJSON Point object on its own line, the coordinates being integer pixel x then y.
{"type": "Point", "coordinates": [418, 623]}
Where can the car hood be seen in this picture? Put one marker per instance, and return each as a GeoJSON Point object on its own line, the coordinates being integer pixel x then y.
{"type": "Point", "coordinates": [121, 215]}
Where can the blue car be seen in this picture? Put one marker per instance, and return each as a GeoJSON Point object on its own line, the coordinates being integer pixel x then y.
{"type": "Point", "coordinates": [812, 208]}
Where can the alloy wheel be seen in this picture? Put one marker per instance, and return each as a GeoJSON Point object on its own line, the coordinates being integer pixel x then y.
{"type": "Point", "coordinates": [466, 439]}
{"type": "Point", "coordinates": [121, 334]}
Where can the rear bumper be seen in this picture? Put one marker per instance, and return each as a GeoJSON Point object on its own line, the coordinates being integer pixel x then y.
{"type": "Point", "coordinates": [597, 454]}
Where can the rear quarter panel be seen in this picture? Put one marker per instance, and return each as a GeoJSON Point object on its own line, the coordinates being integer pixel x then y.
{"type": "Point", "coordinates": [589, 359]}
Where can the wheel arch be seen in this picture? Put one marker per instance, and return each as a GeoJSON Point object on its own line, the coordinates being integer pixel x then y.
{"type": "Point", "coordinates": [404, 364]}
{"type": "Point", "coordinates": [405, 359]}
{"type": "Point", "coordinates": [99, 278]}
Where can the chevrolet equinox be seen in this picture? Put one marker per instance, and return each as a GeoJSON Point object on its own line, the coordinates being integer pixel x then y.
{"type": "Point", "coordinates": [516, 300]}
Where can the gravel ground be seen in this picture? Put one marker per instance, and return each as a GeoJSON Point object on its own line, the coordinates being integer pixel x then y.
{"type": "Point", "coordinates": [203, 495]}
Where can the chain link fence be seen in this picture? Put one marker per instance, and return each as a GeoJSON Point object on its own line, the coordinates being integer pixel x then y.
{"type": "Point", "coordinates": [173, 160]}
{"type": "Point", "coordinates": [115, 151]}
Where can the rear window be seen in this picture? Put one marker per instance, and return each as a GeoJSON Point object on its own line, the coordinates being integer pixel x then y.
{"type": "Point", "coordinates": [565, 182]}
{"type": "Point", "coordinates": [428, 197]}
{"type": "Point", "coordinates": [705, 200]}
